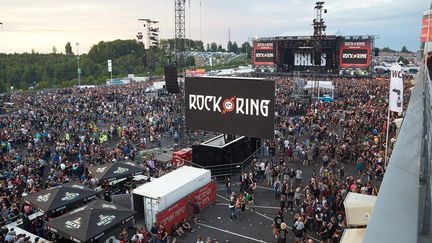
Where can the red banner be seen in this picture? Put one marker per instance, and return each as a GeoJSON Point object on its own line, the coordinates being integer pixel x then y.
{"type": "Point", "coordinates": [182, 157]}
{"type": "Point", "coordinates": [174, 214]}
{"type": "Point", "coordinates": [424, 31]}
{"type": "Point", "coordinates": [205, 196]}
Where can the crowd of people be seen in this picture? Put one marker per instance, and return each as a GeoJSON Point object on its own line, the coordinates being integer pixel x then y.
{"type": "Point", "coordinates": [51, 137]}
{"type": "Point", "coordinates": [327, 139]}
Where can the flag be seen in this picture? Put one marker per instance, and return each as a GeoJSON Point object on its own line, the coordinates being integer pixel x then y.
{"type": "Point", "coordinates": [109, 66]}
{"type": "Point", "coordinates": [396, 89]}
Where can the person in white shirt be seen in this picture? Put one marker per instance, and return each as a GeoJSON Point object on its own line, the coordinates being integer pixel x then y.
{"type": "Point", "coordinates": [286, 144]}
{"type": "Point", "coordinates": [298, 177]}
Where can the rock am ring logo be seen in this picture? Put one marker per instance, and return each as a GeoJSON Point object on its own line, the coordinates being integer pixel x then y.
{"type": "Point", "coordinates": [228, 105]}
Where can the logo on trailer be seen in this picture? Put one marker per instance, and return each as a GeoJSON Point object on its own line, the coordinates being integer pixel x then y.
{"type": "Point", "coordinates": [70, 196]}
{"type": "Point", "coordinates": [73, 224]}
{"type": "Point", "coordinates": [121, 170]}
{"type": "Point", "coordinates": [105, 220]}
{"type": "Point", "coordinates": [44, 198]}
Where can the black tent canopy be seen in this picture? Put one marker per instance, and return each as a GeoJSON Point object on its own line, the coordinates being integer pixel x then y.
{"type": "Point", "coordinates": [114, 171]}
{"type": "Point", "coordinates": [61, 197]}
{"type": "Point", "coordinates": [91, 221]}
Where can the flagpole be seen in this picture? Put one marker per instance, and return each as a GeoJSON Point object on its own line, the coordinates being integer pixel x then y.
{"type": "Point", "coordinates": [387, 137]}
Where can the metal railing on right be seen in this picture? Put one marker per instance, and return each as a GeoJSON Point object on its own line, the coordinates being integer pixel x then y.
{"type": "Point", "coordinates": [402, 212]}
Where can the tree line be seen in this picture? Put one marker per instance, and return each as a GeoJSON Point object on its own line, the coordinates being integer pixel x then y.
{"type": "Point", "coordinates": [56, 70]}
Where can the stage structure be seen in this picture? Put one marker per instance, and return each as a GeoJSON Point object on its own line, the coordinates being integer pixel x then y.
{"type": "Point", "coordinates": [319, 52]}
{"type": "Point", "coordinates": [224, 157]}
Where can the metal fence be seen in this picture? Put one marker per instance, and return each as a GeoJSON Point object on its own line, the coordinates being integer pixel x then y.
{"type": "Point", "coordinates": [402, 211]}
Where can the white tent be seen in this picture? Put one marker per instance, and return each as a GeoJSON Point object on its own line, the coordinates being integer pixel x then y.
{"type": "Point", "coordinates": [322, 85]}
{"type": "Point", "coordinates": [353, 236]}
{"type": "Point", "coordinates": [358, 209]}
{"type": "Point", "coordinates": [328, 85]}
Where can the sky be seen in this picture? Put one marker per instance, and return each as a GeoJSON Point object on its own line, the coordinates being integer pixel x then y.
{"type": "Point", "coordinates": [43, 24]}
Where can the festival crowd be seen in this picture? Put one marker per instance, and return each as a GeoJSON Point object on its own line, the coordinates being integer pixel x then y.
{"type": "Point", "coordinates": [51, 138]}
{"type": "Point", "coordinates": [341, 142]}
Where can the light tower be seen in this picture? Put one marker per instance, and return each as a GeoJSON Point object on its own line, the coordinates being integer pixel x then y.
{"type": "Point", "coordinates": [180, 25]}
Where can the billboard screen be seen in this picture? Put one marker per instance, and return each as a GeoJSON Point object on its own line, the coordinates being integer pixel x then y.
{"type": "Point", "coordinates": [355, 54]}
{"type": "Point", "coordinates": [300, 54]}
{"type": "Point", "coordinates": [241, 106]}
{"type": "Point", "coordinates": [264, 53]}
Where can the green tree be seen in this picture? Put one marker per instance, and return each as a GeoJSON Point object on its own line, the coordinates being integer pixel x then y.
{"type": "Point", "coordinates": [246, 48]}
{"type": "Point", "coordinates": [220, 48]}
{"type": "Point", "coordinates": [190, 61]}
{"type": "Point", "coordinates": [235, 47]}
{"type": "Point", "coordinates": [199, 45]}
{"type": "Point", "coordinates": [213, 47]}
{"type": "Point", "coordinates": [403, 60]}
{"type": "Point", "coordinates": [405, 50]}
{"type": "Point", "coordinates": [54, 50]}
{"type": "Point", "coordinates": [68, 49]}
{"type": "Point", "coordinates": [229, 46]}
{"type": "Point", "coordinates": [387, 49]}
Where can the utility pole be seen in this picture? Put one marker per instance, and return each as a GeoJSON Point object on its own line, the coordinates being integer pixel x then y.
{"type": "Point", "coordinates": [78, 68]}
{"type": "Point", "coordinates": [229, 39]}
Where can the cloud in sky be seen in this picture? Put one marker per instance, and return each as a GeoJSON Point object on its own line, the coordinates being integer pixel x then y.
{"type": "Point", "coordinates": [42, 24]}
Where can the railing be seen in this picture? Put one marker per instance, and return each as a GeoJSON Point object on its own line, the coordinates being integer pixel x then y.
{"type": "Point", "coordinates": [402, 210]}
{"type": "Point", "coordinates": [219, 172]}
{"type": "Point", "coordinates": [426, 169]}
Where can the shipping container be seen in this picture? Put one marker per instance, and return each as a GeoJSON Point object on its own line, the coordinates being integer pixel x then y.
{"type": "Point", "coordinates": [154, 197]}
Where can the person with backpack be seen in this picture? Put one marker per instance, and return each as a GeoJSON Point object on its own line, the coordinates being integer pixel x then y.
{"type": "Point", "coordinates": [299, 229]}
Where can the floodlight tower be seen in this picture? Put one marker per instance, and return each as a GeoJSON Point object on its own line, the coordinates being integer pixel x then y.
{"type": "Point", "coordinates": [180, 23]}
{"type": "Point", "coordinates": [318, 36]}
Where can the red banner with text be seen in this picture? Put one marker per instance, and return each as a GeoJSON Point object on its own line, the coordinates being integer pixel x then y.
{"type": "Point", "coordinates": [174, 214]}
{"type": "Point", "coordinates": [204, 196]}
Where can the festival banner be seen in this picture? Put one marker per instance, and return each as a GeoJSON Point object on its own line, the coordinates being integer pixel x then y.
{"type": "Point", "coordinates": [396, 89]}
